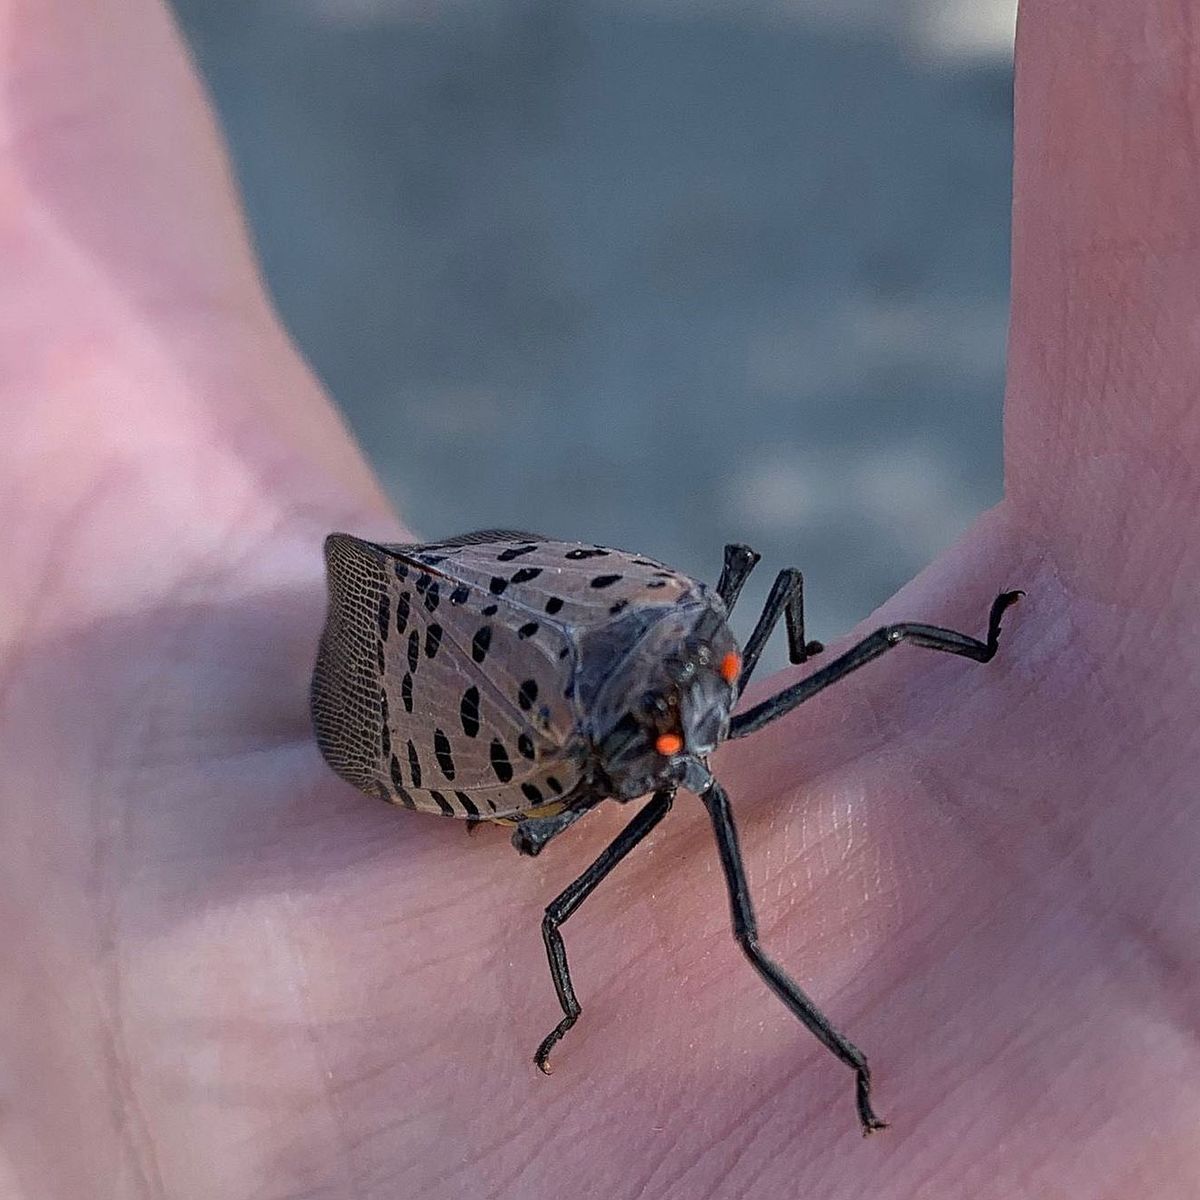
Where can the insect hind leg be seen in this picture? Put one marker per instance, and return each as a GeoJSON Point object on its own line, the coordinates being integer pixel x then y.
{"type": "Point", "coordinates": [532, 833]}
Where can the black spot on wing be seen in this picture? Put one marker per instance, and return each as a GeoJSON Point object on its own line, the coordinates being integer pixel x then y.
{"type": "Point", "coordinates": [469, 804]}
{"type": "Point", "coordinates": [442, 803]}
{"type": "Point", "coordinates": [481, 643]}
{"type": "Point", "coordinates": [468, 711]}
{"type": "Point", "coordinates": [433, 640]}
{"type": "Point", "coordinates": [515, 552]}
{"type": "Point", "coordinates": [441, 748]}
{"type": "Point", "coordinates": [500, 762]}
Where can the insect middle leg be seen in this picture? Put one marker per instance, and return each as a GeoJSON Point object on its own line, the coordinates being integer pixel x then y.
{"type": "Point", "coordinates": [563, 905]}
{"type": "Point", "coordinates": [933, 637]}
{"type": "Point", "coordinates": [786, 599]}
{"type": "Point", "coordinates": [745, 930]}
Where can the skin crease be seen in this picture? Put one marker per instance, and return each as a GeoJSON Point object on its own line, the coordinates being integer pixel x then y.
{"type": "Point", "coordinates": [223, 973]}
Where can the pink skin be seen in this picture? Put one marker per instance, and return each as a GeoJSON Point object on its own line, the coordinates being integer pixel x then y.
{"type": "Point", "coordinates": [225, 974]}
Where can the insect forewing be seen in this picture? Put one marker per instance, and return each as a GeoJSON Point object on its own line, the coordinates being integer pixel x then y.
{"type": "Point", "coordinates": [460, 706]}
{"type": "Point", "coordinates": [447, 675]}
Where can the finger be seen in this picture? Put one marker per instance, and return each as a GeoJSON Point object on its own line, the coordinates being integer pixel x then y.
{"type": "Point", "coordinates": [107, 140]}
{"type": "Point", "coordinates": [146, 383]}
{"type": "Point", "coordinates": [1102, 424]}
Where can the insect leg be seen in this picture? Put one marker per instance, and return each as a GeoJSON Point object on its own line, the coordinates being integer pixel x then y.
{"type": "Point", "coordinates": [745, 931]}
{"type": "Point", "coordinates": [531, 835]}
{"type": "Point", "coordinates": [931, 636]}
{"type": "Point", "coordinates": [786, 599]}
{"type": "Point", "coordinates": [563, 905]}
{"type": "Point", "coordinates": [739, 562]}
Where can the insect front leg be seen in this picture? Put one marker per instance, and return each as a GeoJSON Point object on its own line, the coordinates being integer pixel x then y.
{"type": "Point", "coordinates": [739, 562]}
{"type": "Point", "coordinates": [745, 930]}
{"type": "Point", "coordinates": [932, 637]}
{"type": "Point", "coordinates": [786, 599]}
{"type": "Point", "coordinates": [563, 905]}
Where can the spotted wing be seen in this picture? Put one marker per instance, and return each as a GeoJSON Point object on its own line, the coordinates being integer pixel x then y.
{"type": "Point", "coordinates": [571, 586]}
{"type": "Point", "coordinates": [432, 691]}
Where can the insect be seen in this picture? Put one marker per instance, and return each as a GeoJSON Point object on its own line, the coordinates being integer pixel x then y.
{"type": "Point", "coordinates": [510, 677]}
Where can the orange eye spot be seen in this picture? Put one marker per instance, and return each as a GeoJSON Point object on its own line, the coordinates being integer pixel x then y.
{"type": "Point", "coordinates": [668, 743]}
{"type": "Point", "coordinates": [731, 667]}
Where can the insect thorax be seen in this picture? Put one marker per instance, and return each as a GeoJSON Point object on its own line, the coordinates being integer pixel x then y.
{"type": "Point", "coordinates": [649, 674]}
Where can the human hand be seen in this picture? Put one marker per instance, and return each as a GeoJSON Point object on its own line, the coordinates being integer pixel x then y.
{"type": "Point", "coordinates": [226, 974]}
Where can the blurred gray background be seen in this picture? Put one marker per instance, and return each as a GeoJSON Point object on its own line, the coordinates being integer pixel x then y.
{"type": "Point", "coordinates": [653, 273]}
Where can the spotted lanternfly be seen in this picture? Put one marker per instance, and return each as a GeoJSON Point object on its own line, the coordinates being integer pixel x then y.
{"type": "Point", "coordinates": [509, 677]}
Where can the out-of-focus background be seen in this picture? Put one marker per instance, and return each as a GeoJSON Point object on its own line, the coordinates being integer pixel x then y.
{"type": "Point", "coordinates": [654, 273]}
